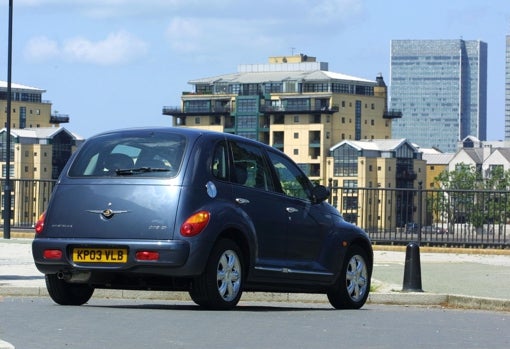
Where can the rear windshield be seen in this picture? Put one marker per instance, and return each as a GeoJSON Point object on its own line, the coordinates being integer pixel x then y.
{"type": "Point", "coordinates": [122, 154]}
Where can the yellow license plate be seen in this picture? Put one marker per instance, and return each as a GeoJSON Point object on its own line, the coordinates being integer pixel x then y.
{"type": "Point", "coordinates": [100, 255]}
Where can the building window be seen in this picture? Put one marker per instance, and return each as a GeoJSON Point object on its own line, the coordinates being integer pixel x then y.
{"type": "Point", "coordinates": [350, 183]}
{"type": "Point", "coordinates": [197, 120]}
{"type": "Point", "coordinates": [350, 203]}
{"type": "Point", "coordinates": [345, 161]}
{"type": "Point", "coordinates": [296, 118]}
{"type": "Point", "coordinates": [296, 135]}
{"type": "Point", "coordinates": [357, 127]}
{"type": "Point", "coordinates": [247, 105]}
{"type": "Point", "coordinates": [296, 151]}
{"type": "Point", "coordinates": [22, 117]}
{"type": "Point", "coordinates": [197, 106]}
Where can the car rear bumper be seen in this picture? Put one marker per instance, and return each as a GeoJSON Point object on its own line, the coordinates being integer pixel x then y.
{"type": "Point", "coordinates": [173, 256]}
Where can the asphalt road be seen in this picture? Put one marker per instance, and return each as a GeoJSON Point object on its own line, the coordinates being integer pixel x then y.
{"type": "Point", "coordinates": [39, 323]}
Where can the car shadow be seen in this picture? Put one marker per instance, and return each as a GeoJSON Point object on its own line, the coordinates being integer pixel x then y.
{"type": "Point", "coordinates": [247, 307]}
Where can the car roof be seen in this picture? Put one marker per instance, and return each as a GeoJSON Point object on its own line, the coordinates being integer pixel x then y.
{"type": "Point", "coordinates": [192, 133]}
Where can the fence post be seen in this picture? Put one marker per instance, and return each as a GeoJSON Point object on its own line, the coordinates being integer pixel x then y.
{"type": "Point", "coordinates": [330, 187]}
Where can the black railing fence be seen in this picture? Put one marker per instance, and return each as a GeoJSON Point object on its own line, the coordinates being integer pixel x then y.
{"type": "Point", "coordinates": [464, 218]}
{"type": "Point", "coordinates": [29, 198]}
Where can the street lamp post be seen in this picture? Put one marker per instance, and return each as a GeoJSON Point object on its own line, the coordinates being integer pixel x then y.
{"type": "Point", "coordinates": [7, 184]}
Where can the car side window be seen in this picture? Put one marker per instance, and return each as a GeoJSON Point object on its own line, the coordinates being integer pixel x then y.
{"type": "Point", "coordinates": [219, 161]}
{"type": "Point", "coordinates": [293, 182]}
{"type": "Point", "coordinates": [250, 169]}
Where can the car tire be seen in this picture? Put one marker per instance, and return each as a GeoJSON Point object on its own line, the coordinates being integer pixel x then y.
{"type": "Point", "coordinates": [65, 293]}
{"type": "Point", "coordinates": [353, 285]}
{"type": "Point", "coordinates": [220, 286]}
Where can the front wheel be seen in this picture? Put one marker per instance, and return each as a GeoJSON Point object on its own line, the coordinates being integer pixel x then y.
{"type": "Point", "coordinates": [221, 284]}
{"type": "Point", "coordinates": [353, 285]}
{"type": "Point", "coordinates": [65, 293]}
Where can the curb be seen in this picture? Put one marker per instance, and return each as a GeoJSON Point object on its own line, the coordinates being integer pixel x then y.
{"type": "Point", "coordinates": [383, 298]}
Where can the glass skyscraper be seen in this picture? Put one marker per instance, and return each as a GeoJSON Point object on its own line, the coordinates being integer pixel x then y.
{"type": "Point", "coordinates": [507, 90]}
{"type": "Point", "coordinates": [440, 86]}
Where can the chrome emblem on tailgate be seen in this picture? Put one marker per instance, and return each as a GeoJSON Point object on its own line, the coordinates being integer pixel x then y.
{"type": "Point", "coordinates": [107, 213]}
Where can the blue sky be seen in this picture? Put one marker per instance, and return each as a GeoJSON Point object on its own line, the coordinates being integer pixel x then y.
{"type": "Point", "coordinates": [115, 63]}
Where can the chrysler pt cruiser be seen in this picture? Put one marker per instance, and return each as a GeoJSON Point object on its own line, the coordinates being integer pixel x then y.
{"type": "Point", "coordinates": [211, 214]}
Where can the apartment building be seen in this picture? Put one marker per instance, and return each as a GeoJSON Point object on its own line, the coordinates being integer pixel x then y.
{"type": "Point", "coordinates": [38, 155]}
{"type": "Point", "coordinates": [28, 109]}
{"type": "Point", "coordinates": [293, 103]}
{"type": "Point", "coordinates": [389, 170]}
{"type": "Point", "coordinates": [39, 149]}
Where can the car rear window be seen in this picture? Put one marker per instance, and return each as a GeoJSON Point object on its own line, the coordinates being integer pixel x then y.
{"type": "Point", "coordinates": [122, 154]}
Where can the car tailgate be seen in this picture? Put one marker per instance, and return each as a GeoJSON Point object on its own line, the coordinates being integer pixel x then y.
{"type": "Point", "coordinates": [113, 211]}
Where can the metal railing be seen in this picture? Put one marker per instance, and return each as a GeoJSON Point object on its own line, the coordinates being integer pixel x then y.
{"type": "Point", "coordinates": [29, 198]}
{"type": "Point", "coordinates": [463, 218]}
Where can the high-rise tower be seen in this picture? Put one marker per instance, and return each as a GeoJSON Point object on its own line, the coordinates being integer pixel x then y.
{"type": "Point", "coordinates": [441, 88]}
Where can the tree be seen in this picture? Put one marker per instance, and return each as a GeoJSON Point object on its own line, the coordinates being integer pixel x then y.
{"type": "Point", "coordinates": [469, 198]}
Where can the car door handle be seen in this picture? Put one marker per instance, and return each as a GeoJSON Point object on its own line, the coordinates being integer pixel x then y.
{"type": "Point", "coordinates": [242, 201]}
{"type": "Point", "coordinates": [291, 209]}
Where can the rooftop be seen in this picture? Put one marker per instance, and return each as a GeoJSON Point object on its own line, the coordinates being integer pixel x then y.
{"type": "Point", "coordinates": [19, 87]}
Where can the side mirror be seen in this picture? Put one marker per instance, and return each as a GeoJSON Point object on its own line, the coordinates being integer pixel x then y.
{"type": "Point", "coordinates": [319, 194]}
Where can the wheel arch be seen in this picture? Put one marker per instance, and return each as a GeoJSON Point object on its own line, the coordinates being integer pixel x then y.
{"type": "Point", "coordinates": [367, 246]}
{"type": "Point", "coordinates": [242, 241]}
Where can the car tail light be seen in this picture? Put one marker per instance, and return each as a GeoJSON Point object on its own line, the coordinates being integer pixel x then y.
{"type": "Point", "coordinates": [39, 226]}
{"type": "Point", "coordinates": [147, 255]}
{"type": "Point", "coordinates": [52, 254]}
{"type": "Point", "coordinates": [195, 223]}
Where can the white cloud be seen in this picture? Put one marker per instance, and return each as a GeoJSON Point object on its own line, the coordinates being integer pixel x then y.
{"type": "Point", "coordinates": [117, 48]}
{"type": "Point", "coordinates": [40, 49]}
{"type": "Point", "coordinates": [185, 34]}
{"type": "Point", "coordinates": [335, 10]}
{"type": "Point", "coordinates": [199, 35]}
{"type": "Point", "coordinates": [105, 9]}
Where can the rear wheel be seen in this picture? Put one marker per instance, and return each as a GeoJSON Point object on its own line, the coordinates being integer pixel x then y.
{"type": "Point", "coordinates": [65, 293]}
{"type": "Point", "coordinates": [353, 285]}
{"type": "Point", "coordinates": [221, 284]}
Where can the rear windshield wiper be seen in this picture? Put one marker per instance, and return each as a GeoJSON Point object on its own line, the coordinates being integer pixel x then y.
{"type": "Point", "coordinates": [132, 171]}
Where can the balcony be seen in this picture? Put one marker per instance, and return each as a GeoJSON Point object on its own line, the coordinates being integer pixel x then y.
{"type": "Point", "coordinates": [59, 119]}
{"type": "Point", "coordinates": [179, 112]}
{"type": "Point", "coordinates": [279, 110]}
{"type": "Point", "coordinates": [392, 114]}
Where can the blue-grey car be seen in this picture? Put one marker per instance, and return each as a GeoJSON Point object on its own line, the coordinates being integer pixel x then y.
{"type": "Point", "coordinates": [212, 214]}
